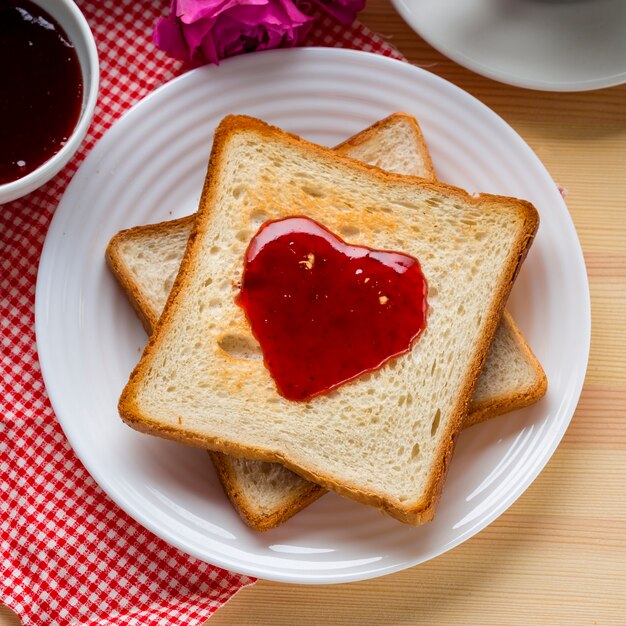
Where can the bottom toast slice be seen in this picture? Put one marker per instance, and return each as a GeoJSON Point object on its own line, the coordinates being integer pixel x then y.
{"type": "Point", "coordinates": [146, 260]}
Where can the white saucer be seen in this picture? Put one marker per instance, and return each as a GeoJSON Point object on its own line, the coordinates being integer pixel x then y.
{"type": "Point", "coordinates": [551, 45]}
{"type": "Point", "coordinates": [150, 167]}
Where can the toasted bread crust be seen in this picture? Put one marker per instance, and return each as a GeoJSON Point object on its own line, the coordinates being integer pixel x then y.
{"type": "Point", "coordinates": [416, 512]}
{"type": "Point", "coordinates": [487, 409]}
{"type": "Point", "coordinates": [261, 522]}
{"type": "Point", "coordinates": [366, 135]}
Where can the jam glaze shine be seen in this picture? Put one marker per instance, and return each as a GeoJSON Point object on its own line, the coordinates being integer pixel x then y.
{"type": "Point", "coordinates": [325, 312]}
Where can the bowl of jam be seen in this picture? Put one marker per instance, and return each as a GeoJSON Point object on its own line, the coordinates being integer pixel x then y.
{"type": "Point", "coordinates": [48, 89]}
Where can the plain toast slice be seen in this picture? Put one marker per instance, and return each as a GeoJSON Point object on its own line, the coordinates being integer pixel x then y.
{"type": "Point", "coordinates": [384, 439]}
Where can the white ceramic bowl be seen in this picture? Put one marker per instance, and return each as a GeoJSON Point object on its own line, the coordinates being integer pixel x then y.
{"type": "Point", "coordinates": [68, 15]}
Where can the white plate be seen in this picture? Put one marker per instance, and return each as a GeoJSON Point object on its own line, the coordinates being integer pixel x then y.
{"type": "Point", "coordinates": [553, 45]}
{"type": "Point", "coordinates": [150, 167]}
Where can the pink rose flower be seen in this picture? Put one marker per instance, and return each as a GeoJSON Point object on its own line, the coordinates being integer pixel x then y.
{"type": "Point", "coordinates": [205, 31]}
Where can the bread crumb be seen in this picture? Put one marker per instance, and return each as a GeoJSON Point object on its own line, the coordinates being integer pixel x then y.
{"type": "Point", "coordinates": [310, 260]}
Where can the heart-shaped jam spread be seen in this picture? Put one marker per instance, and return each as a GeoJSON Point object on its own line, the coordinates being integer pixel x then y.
{"type": "Point", "coordinates": [324, 311]}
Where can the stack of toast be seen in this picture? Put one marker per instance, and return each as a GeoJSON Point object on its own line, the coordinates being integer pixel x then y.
{"type": "Point", "coordinates": [385, 438]}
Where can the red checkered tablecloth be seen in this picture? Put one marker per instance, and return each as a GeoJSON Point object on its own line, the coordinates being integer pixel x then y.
{"type": "Point", "coordinates": [68, 555]}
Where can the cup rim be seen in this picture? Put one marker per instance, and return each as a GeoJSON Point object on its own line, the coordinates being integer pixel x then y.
{"type": "Point", "coordinates": [44, 172]}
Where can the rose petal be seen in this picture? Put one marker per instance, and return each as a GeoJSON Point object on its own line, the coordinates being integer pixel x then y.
{"type": "Point", "coordinates": [192, 10]}
{"type": "Point", "coordinates": [168, 37]}
{"type": "Point", "coordinates": [343, 10]}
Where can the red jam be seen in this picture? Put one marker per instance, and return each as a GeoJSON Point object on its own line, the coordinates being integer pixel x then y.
{"type": "Point", "coordinates": [324, 311]}
{"type": "Point", "coordinates": [41, 88]}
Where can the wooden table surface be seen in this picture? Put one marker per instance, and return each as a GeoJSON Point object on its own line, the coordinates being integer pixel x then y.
{"type": "Point", "coordinates": [558, 555]}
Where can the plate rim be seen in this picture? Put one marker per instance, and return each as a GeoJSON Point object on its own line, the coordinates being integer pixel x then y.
{"type": "Point", "coordinates": [263, 571]}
